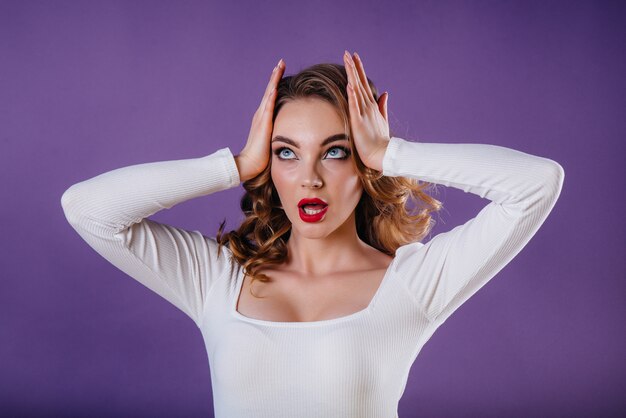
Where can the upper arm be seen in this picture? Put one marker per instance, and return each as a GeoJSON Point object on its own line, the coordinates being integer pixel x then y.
{"type": "Point", "coordinates": [110, 212]}
{"type": "Point", "coordinates": [446, 271]}
{"type": "Point", "coordinates": [179, 265]}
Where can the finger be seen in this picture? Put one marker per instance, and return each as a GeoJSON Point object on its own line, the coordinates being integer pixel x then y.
{"type": "Point", "coordinates": [361, 70]}
{"type": "Point", "coordinates": [268, 89]}
{"type": "Point", "coordinates": [269, 103]}
{"type": "Point", "coordinates": [270, 100]}
{"type": "Point", "coordinates": [362, 94]}
{"type": "Point", "coordinates": [277, 74]}
{"type": "Point", "coordinates": [354, 82]}
{"type": "Point", "coordinates": [358, 87]}
{"type": "Point", "coordinates": [268, 110]}
{"type": "Point", "coordinates": [353, 102]}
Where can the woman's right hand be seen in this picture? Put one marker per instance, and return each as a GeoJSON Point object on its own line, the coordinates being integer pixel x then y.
{"type": "Point", "coordinates": [255, 156]}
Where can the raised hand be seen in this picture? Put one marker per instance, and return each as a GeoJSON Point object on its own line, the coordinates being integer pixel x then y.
{"type": "Point", "coordinates": [368, 118]}
{"type": "Point", "coordinates": [255, 156]}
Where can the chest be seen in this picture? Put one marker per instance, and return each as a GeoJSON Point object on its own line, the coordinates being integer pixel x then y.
{"type": "Point", "coordinates": [289, 299]}
{"type": "Point", "coordinates": [303, 370]}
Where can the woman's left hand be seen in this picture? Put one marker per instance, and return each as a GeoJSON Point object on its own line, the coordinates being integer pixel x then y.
{"type": "Point", "coordinates": [368, 118]}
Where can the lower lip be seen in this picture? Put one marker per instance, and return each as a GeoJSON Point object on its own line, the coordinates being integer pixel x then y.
{"type": "Point", "coordinates": [312, 218]}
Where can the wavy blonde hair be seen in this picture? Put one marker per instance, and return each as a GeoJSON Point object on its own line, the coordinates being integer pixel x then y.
{"type": "Point", "coordinates": [382, 218]}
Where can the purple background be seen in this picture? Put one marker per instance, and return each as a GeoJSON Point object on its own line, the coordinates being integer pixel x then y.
{"type": "Point", "coordinates": [87, 87]}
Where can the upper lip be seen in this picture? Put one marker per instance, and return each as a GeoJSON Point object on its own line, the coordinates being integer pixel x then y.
{"type": "Point", "coordinates": [312, 201]}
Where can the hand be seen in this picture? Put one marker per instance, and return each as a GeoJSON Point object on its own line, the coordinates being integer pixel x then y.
{"type": "Point", "coordinates": [255, 155]}
{"type": "Point", "coordinates": [368, 118]}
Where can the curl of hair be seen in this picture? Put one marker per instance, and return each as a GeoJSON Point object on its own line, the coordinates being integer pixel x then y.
{"type": "Point", "coordinates": [383, 219]}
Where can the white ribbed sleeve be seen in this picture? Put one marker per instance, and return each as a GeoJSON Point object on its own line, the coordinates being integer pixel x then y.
{"type": "Point", "coordinates": [109, 212]}
{"type": "Point", "coordinates": [452, 266]}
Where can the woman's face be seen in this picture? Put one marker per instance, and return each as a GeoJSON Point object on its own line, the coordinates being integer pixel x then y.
{"type": "Point", "coordinates": [304, 167]}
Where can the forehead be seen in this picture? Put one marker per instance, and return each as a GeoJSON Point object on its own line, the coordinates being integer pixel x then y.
{"type": "Point", "coordinates": [309, 120]}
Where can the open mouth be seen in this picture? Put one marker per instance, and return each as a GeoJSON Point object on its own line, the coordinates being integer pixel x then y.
{"type": "Point", "coordinates": [313, 209]}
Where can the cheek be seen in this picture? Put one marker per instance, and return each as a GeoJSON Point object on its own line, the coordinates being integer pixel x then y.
{"type": "Point", "coordinates": [350, 186]}
{"type": "Point", "coordinates": [282, 180]}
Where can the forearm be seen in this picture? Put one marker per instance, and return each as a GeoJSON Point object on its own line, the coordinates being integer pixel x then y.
{"type": "Point", "coordinates": [125, 195]}
{"type": "Point", "coordinates": [500, 174]}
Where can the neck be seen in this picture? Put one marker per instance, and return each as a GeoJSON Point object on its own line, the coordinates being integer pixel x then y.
{"type": "Point", "coordinates": [320, 256]}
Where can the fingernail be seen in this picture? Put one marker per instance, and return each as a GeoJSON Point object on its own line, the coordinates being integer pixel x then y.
{"type": "Point", "coordinates": [357, 55]}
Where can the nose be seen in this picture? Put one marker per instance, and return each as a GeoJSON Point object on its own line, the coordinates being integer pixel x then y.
{"type": "Point", "coordinates": [311, 177]}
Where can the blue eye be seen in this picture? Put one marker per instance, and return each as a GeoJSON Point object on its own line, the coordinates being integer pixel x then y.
{"type": "Point", "coordinates": [331, 152]}
{"type": "Point", "coordinates": [279, 152]}
{"type": "Point", "coordinates": [346, 151]}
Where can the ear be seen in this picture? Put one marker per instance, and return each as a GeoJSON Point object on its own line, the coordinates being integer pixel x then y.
{"type": "Point", "coordinates": [382, 105]}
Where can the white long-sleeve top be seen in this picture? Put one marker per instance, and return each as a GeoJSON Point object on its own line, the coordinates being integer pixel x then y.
{"type": "Point", "coordinates": [355, 366]}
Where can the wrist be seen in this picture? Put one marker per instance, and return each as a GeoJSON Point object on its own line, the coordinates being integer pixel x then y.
{"type": "Point", "coordinates": [244, 173]}
{"type": "Point", "coordinates": [376, 160]}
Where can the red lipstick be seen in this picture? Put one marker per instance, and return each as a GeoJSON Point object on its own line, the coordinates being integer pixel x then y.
{"type": "Point", "coordinates": [312, 204]}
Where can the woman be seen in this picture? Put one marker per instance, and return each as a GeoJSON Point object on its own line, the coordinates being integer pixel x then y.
{"type": "Point", "coordinates": [345, 295]}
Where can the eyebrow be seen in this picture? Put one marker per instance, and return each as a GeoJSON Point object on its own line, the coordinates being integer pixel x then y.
{"type": "Point", "coordinates": [332, 138]}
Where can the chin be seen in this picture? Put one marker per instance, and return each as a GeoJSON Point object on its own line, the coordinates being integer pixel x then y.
{"type": "Point", "coordinates": [313, 233]}
{"type": "Point", "coordinates": [316, 230]}
{"type": "Point", "coordinates": [319, 229]}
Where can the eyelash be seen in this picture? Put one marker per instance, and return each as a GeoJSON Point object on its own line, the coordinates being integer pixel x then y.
{"type": "Point", "coordinates": [344, 149]}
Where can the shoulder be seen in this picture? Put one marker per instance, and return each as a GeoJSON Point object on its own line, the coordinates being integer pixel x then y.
{"type": "Point", "coordinates": [375, 259]}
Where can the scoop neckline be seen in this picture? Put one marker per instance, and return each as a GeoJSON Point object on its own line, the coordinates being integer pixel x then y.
{"type": "Point", "coordinates": [304, 324]}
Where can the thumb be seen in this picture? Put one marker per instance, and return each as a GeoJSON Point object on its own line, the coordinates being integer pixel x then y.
{"type": "Point", "coordinates": [382, 104]}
